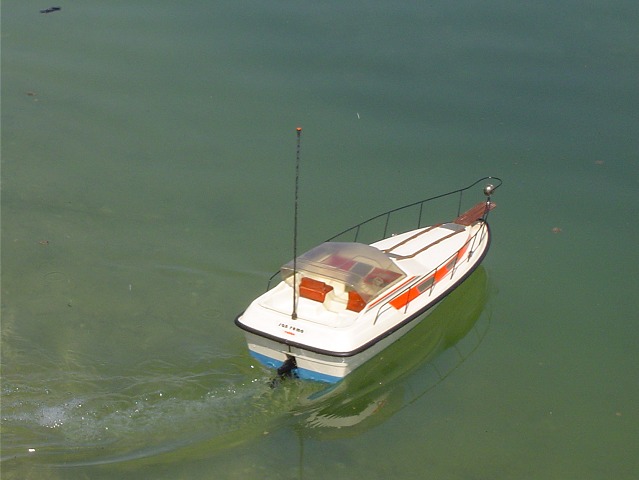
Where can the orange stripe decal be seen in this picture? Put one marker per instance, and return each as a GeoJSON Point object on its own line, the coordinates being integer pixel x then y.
{"type": "Point", "coordinates": [403, 299]}
{"type": "Point", "coordinates": [398, 287]}
{"type": "Point", "coordinates": [428, 283]}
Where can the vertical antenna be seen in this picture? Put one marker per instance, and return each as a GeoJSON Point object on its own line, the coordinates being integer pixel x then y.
{"type": "Point", "coordinates": [297, 182]}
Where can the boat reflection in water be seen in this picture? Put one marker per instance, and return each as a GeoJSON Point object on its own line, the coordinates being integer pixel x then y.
{"type": "Point", "coordinates": [406, 370]}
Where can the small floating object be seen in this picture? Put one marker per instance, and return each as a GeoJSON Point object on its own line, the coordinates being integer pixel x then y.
{"type": "Point", "coordinates": [341, 303]}
{"type": "Point", "coordinates": [51, 9]}
{"type": "Point", "coordinates": [556, 230]}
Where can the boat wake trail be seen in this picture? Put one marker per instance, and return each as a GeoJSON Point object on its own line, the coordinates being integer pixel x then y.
{"type": "Point", "coordinates": [135, 417]}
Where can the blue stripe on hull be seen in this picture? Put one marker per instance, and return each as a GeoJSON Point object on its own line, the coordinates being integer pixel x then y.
{"type": "Point", "coordinates": [303, 373]}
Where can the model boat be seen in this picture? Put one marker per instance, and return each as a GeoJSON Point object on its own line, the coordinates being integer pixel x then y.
{"type": "Point", "coordinates": [339, 304]}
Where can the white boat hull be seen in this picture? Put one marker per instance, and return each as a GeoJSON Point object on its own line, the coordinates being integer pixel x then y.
{"type": "Point", "coordinates": [346, 302]}
{"type": "Point", "coordinates": [317, 366]}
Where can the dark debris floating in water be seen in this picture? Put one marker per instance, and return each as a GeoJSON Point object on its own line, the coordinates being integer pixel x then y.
{"type": "Point", "coordinates": [51, 9]}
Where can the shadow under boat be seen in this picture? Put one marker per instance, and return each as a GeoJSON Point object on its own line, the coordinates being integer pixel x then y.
{"type": "Point", "coordinates": [405, 371]}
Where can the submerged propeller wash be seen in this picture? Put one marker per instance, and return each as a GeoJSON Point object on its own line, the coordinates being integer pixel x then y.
{"type": "Point", "coordinates": [341, 303]}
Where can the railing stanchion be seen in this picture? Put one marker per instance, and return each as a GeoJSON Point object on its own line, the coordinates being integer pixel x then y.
{"type": "Point", "coordinates": [386, 225]}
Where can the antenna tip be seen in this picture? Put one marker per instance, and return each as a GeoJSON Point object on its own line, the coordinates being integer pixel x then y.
{"type": "Point", "coordinates": [299, 129]}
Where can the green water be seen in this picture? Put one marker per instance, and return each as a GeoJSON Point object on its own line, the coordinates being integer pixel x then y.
{"type": "Point", "coordinates": [147, 175]}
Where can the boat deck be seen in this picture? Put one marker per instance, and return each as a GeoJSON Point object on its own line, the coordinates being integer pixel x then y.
{"type": "Point", "coordinates": [418, 252]}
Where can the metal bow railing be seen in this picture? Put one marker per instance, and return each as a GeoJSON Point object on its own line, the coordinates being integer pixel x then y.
{"type": "Point", "coordinates": [354, 233]}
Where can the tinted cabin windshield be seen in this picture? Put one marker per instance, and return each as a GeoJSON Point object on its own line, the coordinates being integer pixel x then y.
{"type": "Point", "coordinates": [361, 267]}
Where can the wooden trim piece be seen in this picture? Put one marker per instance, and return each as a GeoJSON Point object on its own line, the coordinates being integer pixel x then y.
{"type": "Point", "coordinates": [388, 250]}
{"type": "Point", "coordinates": [475, 213]}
